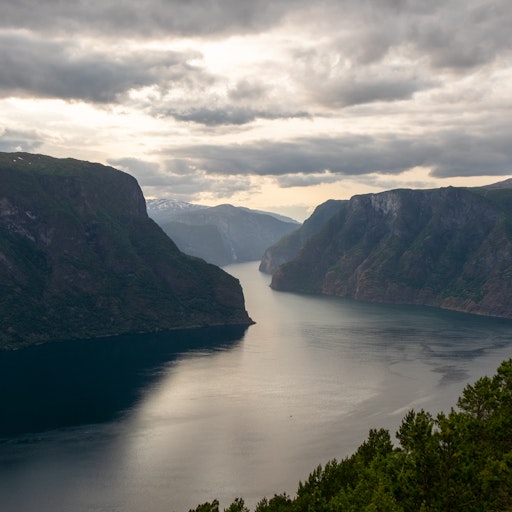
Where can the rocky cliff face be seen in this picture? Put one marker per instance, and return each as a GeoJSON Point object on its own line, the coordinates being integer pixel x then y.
{"type": "Point", "coordinates": [80, 258]}
{"type": "Point", "coordinates": [287, 247]}
{"type": "Point", "coordinates": [222, 234]}
{"type": "Point", "coordinates": [450, 247]}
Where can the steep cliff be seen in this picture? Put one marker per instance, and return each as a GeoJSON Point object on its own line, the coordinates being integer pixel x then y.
{"type": "Point", "coordinates": [449, 247]}
{"type": "Point", "coordinates": [222, 234]}
{"type": "Point", "coordinates": [80, 258]}
{"type": "Point", "coordinates": [287, 247]}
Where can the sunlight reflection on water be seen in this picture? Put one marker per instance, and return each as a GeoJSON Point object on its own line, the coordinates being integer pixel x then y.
{"type": "Point", "coordinates": [255, 414]}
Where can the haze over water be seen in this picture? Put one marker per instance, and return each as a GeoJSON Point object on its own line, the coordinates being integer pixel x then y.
{"type": "Point", "coordinates": [162, 423]}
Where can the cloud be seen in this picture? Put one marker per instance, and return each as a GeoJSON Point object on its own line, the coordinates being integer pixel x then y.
{"type": "Point", "coordinates": [50, 69]}
{"type": "Point", "coordinates": [320, 156]}
{"type": "Point", "coordinates": [248, 89]}
{"type": "Point", "coordinates": [228, 115]}
{"type": "Point", "coordinates": [387, 51]}
{"type": "Point", "coordinates": [176, 179]}
{"type": "Point", "coordinates": [147, 173]}
{"type": "Point", "coordinates": [469, 35]}
{"type": "Point", "coordinates": [459, 34]}
{"type": "Point", "coordinates": [161, 83]}
{"type": "Point", "coordinates": [340, 86]}
{"type": "Point", "coordinates": [306, 180]}
{"type": "Point", "coordinates": [455, 33]}
{"type": "Point", "coordinates": [19, 140]}
{"type": "Point", "coordinates": [223, 103]}
{"type": "Point", "coordinates": [349, 53]}
{"type": "Point", "coordinates": [306, 161]}
{"type": "Point", "coordinates": [466, 154]}
{"type": "Point", "coordinates": [144, 19]}
{"type": "Point", "coordinates": [212, 97]}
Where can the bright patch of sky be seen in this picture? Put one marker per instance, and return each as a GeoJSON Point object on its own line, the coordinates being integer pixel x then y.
{"type": "Point", "coordinates": [276, 105]}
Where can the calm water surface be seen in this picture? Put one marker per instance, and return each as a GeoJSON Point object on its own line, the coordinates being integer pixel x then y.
{"type": "Point", "coordinates": [163, 423]}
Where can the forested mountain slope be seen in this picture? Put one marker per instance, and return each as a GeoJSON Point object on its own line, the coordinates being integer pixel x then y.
{"type": "Point", "coordinates": [79, 258]}
{"type": "Point", "coordinates": [448, 247]}
{"type": "Point", "coordinates": [288, 246]}
{"type": "Point", "coordinates": [221, 234]}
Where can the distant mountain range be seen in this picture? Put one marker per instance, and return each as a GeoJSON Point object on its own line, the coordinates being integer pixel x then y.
{"type": "Point", "coordinates": [449, 247]}
{"type": "Point", "coordinates": [220, 234]}
{"type": "Point", "coordinates": [80, 258]}
{"type": "Point", "coordinates": [161, 210]}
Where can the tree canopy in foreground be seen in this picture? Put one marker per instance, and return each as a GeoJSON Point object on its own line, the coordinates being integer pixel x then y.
{"type": "Point", "coordinates": [460, 461]}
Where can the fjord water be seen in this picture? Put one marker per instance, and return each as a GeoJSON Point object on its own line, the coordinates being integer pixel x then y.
{"type": "Point", "coordinates": [165, 422]}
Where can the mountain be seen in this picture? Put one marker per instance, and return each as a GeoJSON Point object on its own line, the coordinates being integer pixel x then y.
{"type": "Point", "coordinates": [499, 185]}
{"type": "Point", "coordinates": [80, 258]}
{"type": "Point", "coordinates": [278, 216]}
{"type": "Point", "coordinates": [221, 234]}
{"type": "Point", "coordinates": [287, 248]}
{"type": "Point", "coordinates": [164, 209]}
{"type": "Point", "coordinates": [448, 247]}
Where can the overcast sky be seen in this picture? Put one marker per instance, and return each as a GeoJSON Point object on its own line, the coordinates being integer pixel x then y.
{"type": "Point", "coordinates": [270, 104]}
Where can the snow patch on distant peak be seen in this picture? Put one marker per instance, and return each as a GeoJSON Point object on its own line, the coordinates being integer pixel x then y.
{"type": "Point", "coordinates": [158, 207]}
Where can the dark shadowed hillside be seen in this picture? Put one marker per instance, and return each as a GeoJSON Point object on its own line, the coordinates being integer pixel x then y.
{"type": "Point", "coordinates": [80, 258]}
{"type": "Point", "coordinates": [448, 247]}
{"type": "Point", "coordinates": [287, 248]}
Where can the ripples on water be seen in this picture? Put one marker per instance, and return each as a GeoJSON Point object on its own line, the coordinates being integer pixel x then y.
{"type": "Point", "coordinates": [165, 422]}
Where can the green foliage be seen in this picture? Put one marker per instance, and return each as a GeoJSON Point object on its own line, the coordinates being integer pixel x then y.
{"type": "Point", "coordinates": [460, 461]}
{"type": "Point", "coordinates": [80, 258]}
{"type": "Point", "coordinates": [237, 506]}
{"type": "Point", "coordinates": [448, 247]}
{"type": "Point", "coordinates": [207, 507]}
{"type": "Point", "coordinates": [279, 503]}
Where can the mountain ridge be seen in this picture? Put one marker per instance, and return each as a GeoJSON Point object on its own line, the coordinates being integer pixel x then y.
{"type": "Point", "coordinates": [224, 233]}
{"type": "Point", "coordinates": [449, 247]}
{"type": "Point", "coordinates": [80, 258]}
{"type": "Point", "coordinates": [288, 246]}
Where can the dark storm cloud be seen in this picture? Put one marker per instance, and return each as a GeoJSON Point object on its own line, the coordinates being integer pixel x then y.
{"type": "Point", "coordinates": [349, 155]}
{"type": "Point", "coordinates": [463, 35]}
{"type": "Point", "coordinates": [459, 33]}
{"type": "Point", "coordinates": [228, 115]}
{"type": "Point", "coordinates": [307, 161]}
{"type": "Point", "coordinates": [32, 66]}
{"type": "Point", "coordinates": [345, 60]}
{"type": "Point", "coordinates": [466, 154]}
{"type": "Point", "coordinates": [149, 18]}
{"type": "Point", "coordinates": [352, 90]}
